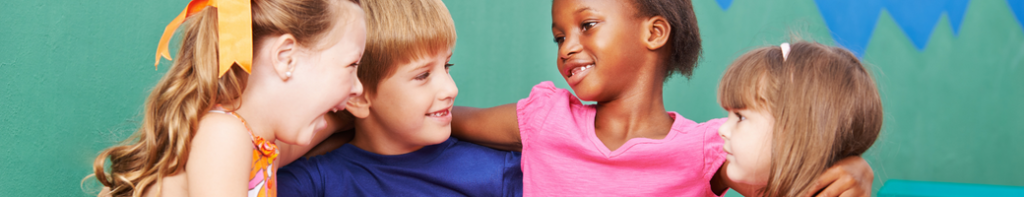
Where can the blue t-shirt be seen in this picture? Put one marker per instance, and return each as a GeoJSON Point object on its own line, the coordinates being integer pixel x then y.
{"type": "Point", "coordinates": [452, 168]}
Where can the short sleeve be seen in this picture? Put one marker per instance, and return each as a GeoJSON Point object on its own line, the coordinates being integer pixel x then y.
{"type": "Point", "coordinates": [531, 112]}
{"type": "Point", "coordinates": [714, 155]}
{"type": "Point", "coordinates": [300, 178]}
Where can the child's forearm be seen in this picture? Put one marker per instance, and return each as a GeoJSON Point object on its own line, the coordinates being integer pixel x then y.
{"type": "Point", "coordinates": [495, 127]}
{"type": "Point", "coordinates": [335, 141]}
{"type": "Point", "coordinates": [851, 176]}
{"type": "Point", "coordinates": [336, 122]}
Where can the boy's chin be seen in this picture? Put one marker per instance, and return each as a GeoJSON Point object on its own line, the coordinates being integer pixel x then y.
{"type": "Point", "coordinates": [436, 136]}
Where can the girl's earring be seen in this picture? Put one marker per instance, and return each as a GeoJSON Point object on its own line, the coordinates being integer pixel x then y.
{"type": "Point", "coordinates": [288, 74]}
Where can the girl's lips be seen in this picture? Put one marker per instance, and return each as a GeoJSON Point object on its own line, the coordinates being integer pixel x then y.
{"type": "Point", "coordinates": [576, 74]}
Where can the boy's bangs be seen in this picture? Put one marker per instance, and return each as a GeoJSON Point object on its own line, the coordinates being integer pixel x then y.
{"type": "Point", "coordinates": [744, 83]}
{"type": "Point", "coordinates": [415, 30]}
{"type": "Point", "coordinates": [400, 31]}
{"type": "Point", "coordinates": [423, 38]}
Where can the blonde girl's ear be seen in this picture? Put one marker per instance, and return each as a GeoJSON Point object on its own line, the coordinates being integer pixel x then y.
{"type": "Point", "coordinates": [656, 32]}
{"type": "Point", "coordinates": [284, 52]}
{"type": "Point", "coordinates": [359, 106]}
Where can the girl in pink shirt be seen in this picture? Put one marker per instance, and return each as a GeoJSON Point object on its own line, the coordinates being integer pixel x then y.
{"type": "Point", "coordinates": [619, 54]}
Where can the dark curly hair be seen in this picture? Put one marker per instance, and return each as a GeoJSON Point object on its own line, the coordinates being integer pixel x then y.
{"type": "Point", "coordinates": [684, 40]}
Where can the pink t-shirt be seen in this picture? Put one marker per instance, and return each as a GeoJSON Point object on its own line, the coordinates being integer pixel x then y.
{"type": "Point", "coordinates": [562, 155]}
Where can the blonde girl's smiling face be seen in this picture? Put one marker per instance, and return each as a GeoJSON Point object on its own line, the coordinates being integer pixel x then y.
{"type": "Point", "coordinates": [413, 105]}
{"type": "Point", "coordinates": [748, 142]}
{"type": "Point", "coordinates": [324, 76]}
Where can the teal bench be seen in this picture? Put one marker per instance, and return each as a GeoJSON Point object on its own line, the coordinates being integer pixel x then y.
{"type": "Point", "coordinates": [905, 188]}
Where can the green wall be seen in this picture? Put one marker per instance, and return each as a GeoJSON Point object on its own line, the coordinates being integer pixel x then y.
{"type": "Point", "coordinates": [75, 75]}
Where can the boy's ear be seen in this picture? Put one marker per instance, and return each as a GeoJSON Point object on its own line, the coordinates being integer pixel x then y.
{"type": "Point", "coordinates": [657, 31]}
{"type": "Point", "coordinates": [284, 55]}
{"type": "Point", "coordinates": [359, 106]}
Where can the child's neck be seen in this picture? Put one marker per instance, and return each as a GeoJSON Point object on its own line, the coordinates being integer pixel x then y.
{"type": "Point", "coordinates": [258, 125]}
{"type": "Point", "coordinates": [638, 113]}
{"type": "Point", "coordinates": [373, 138]}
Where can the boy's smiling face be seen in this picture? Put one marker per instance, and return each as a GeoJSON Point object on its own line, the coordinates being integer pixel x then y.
{"type": "Point", "coordinates": [411, 107]}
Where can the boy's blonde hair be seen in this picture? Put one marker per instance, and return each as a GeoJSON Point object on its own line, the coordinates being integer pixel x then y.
{"type": "Point", "coordinates": [191, 87]}
{"type": "Point", "coordinates": [399, 31]}
{"type": "Point", "coordinates": [825, 104]}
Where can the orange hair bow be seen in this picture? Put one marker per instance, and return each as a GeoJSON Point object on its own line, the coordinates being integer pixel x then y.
{"type": "Point", "coordinates": [234, 32]}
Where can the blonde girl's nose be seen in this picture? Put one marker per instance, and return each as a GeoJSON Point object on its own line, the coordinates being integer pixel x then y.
{"type": "Point", "coordinates": [357, 87]}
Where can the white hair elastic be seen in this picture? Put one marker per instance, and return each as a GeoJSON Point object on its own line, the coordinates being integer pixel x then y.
{"type": "Point", "coordinates": [785, 50]}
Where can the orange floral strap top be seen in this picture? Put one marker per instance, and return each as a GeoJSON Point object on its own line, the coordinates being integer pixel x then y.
{"type": "Point", "coordinates": [262, 183]}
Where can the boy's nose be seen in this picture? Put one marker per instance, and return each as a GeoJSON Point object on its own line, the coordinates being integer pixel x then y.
{"type": "Point", "coordinates": [448, 91]}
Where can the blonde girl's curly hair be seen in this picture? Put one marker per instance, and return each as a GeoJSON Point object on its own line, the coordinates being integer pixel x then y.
{"type": "Point", "coordinates": [191, 87]}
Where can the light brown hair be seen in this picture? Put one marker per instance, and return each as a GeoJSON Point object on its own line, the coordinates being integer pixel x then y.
{"type": "Point", "coordinates": [825, 104]}
{"type": "Point", "coordinates": [191, 87]}
{"type": "Point", "coordinates": [399, 31]}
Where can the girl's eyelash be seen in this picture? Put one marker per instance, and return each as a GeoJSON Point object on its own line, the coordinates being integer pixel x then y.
{"type": "Point", "coordinates": [739, 116]}
{"type": "Point", "coordinates": [587, 25]}
{"type": "Point", "coordinates": [448, 65]}
{"type": "Point", "coordinates": [423, 76]}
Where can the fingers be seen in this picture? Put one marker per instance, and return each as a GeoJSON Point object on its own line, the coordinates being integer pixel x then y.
{"type": "Point", "coordinates": [855, 193]}
{"type": "Point", "coordinates": [840, 186]}
{"type": "Point", "coordinates": [825, 179]}
{"type": "Point", "coordinates": [848, 177]}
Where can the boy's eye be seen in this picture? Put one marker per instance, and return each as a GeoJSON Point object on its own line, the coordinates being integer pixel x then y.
{"type": "Point", "coordinates": [448, 66]}
{"type": "Point", "coordinates": [559, 39]}
{"type": "Point", "coordinates": [423, 76]}
{"type": "Point", "coordinates": [587, 25]}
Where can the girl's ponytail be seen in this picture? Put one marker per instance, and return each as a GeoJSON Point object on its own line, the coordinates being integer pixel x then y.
{"type": "Point", "coordinates": [190, 88]}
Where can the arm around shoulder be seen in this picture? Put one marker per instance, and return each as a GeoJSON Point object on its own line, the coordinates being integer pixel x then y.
{"type": "Point", "coordinates": [324, 141]}
{"type": "Point", "coordinates": [495, 127]}
{"type": "Point", "coordinates": [851, 176]}
{"type": "Point", "coordinates": [220, 157]}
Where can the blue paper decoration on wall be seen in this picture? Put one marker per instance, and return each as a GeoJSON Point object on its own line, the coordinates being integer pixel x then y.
{"type": "Point", "coordinates": [955, 10]}
{"type": "Point", "coordinates": [724, 4]}
{"type": "Point", "coordinates": [850, 21]}
{"type": "Point", "coordinates": [1017, 6]}
{"type": "Point", "coordinates": [853, 21]}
